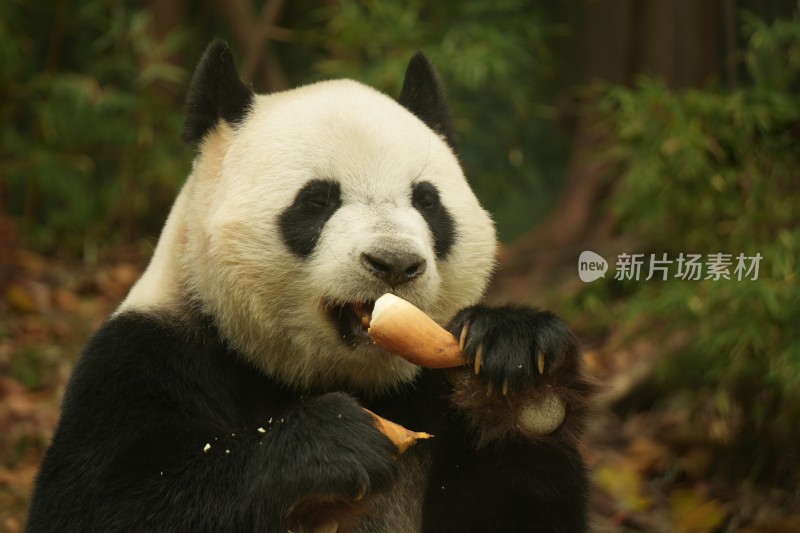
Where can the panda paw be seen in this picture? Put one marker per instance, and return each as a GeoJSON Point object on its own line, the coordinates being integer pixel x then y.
{"type": "Point", "coordinates": [513, 347]}
{"type": "Point", "coordinates": [334, 457]}
{"type": "Point", "coordinates": [524, 373]}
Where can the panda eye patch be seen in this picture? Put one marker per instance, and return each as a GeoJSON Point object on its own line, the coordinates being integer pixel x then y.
{"type": "Point", "coordinates": [425, 199]}
{"type": "Point", "coordinates": [301, 223]}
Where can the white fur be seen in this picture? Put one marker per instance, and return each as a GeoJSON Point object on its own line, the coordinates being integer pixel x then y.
{"type": "Point", "coordinates": [221, 244]}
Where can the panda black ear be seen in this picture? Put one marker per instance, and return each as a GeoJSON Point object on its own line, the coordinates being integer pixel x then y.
{"type": "Point", "coordinates": [215, 93]}
{"type": "Point", "coordinates": [423, 94]}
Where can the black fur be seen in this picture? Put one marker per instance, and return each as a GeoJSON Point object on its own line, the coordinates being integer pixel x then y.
{"type": "Point", "coordinates": [423, 94]}
{"type": "Point", "coordinates": [147, 396]}
{"type": "Point", "coordinates": [151, 391]}
{"type": "Point", "coordinates": [302, 222]}
{"type": "Point", "coordinates": [216, 93]}
{"type": "Point", "coordinates": [425, 199]}
{"type": "Point", "coordinates": [511, 487]}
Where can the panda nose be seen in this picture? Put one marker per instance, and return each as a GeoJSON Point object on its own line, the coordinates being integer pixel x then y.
{"type": "Point", "coordinates": [394, 268]}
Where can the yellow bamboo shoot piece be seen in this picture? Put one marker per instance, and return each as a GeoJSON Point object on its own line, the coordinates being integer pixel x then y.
{"type": "Point", "coordinates": [401, 437]}
{"type": "Point", "coordinates": [403, 329]}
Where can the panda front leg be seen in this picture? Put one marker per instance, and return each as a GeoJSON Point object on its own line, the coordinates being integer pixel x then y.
{"type": "Point", "coordinates": [506, 468]}
{"type": "Point", "coordinates": [325, 461]}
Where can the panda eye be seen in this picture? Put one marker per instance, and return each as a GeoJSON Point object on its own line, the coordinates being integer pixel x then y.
{"type": "Point", "coordinates": [317, 200]}
{"type": "Point", "coordinates": [320, 195]}
{"type": "Point", "coordinates": [427, 201]}
{"type": "Point", "coordinates": [425, 197]}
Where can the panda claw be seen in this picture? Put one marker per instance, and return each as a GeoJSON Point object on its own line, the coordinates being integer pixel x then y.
{"type": "Point", "coordinates": [540, 362]}
{"type": "Point", "coordinates": [505, 387]}
{"type": "Point", "coordinates": [478, 359]}
{"type": "Point", "coordinates": [489, 388]}
{"type": "Point", "coordinates": [361, 493]}
{"type": "Point", "coordinates": [462, 339]}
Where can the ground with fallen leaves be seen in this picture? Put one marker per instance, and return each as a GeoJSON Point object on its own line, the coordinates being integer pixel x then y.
{"type": "Point", "coordinates": [652, 471]}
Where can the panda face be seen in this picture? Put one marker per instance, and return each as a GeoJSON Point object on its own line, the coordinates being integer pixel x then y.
{"type": "Point", "coordinates": [319, 201]}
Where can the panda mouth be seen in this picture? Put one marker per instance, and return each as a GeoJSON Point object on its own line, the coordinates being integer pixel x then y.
{"type": "Point", "coordinates": [352, 320]}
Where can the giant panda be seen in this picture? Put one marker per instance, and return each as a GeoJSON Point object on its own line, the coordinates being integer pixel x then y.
{"type": "Point", "coordinates": [227, 391]}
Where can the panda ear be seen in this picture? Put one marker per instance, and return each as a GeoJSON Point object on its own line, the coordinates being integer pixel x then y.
{"type": "Point", "coordinates": [215, 93]}
{"type": "Point", "coordinates": [423, 94]}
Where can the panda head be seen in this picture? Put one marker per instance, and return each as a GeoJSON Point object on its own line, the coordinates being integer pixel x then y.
{"type": "Point", "coordinates": [303, 207]}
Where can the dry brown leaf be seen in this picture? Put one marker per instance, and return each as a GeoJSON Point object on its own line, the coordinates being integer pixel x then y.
{"type": "Point", "coordinates": [782, 525]}
{"type": "Point", "coordinates": [697, 462]}
{"type": "Point", "coordinates": [21, 298]}
{"type": "Point", "coordinates": [32, 264]}
{"type": "Point", "coordinates": [66, 300]}
{"type": "Point", "coordinates": [648, 456]}
{"type": "Point", "coordinates": [12, 525]}
{"type": "Point", "coordinates": [624, 483]}
{"type": "Point", "coordinates": [692, 512]}
{"type": "Point", "coordinates": [116, 281]}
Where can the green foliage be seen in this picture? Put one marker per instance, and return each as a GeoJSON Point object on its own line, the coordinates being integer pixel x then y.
{"type": "Point", "coordinates": [90, 143]}
{"type": "Point", "coordinates": [709, 171]}
{"type": "Point", "coordinates": [92, 105]}
{"type": "Point", "coordinates": [34, 368]}
{"type": "Point", "coordinates": [495, 63]}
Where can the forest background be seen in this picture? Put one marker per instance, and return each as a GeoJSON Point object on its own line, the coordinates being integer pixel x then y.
{"type": "Point", "coordinates": [622, 127]}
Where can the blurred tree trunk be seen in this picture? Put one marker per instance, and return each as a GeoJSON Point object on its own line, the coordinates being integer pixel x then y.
{"type": "Point", "coordinates": [254, 31]}
{"type": "Point", "coordinates": [678, 41]}
{"type": "Point", "coordinates": [168, 15]}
